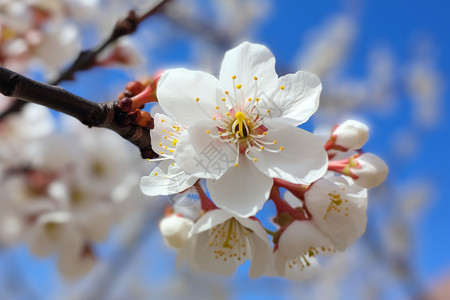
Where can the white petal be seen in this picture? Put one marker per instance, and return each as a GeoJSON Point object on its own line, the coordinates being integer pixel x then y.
{"type": "Point", "coordinates": [246, 62]}
{"type": "Point", "coordinates": [166, 179]}
{"type": "Point", "coordinates": [298, 99]}
{"type": "Point", "coordinates": [303, 159]}
{"type": "Point", "coordinates": [299, 237]}
{"type": "Point", "coordinates": [242, 190]}
{"type": "Point", "coordinates": [203, 156]}
{"type": "Point", "coordinates": [175, 229]}
{"type": "Point", "coordinates": [164, 135]}
{"type": "Point", "coordinates": [373, 171]}
{"type": "Point", "coordinates": [302, 269]}
{"type": "Point", "coordinates": [351, 134]}
{"type": "Point", "coordinates": [210, 219]}
{"type": "Point", "coordinates": [178, 90]}
{"type": "Point", "coordinates": [261, 247]}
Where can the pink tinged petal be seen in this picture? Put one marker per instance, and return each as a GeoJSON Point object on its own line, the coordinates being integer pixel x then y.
{"type": "Point", "coordinates": [246, 62]}
{"type": "Point", "coordinates": [302, 160]}
{"type": "Point", "coordinates": [166, 179]}
{"type": "Point", "coordinates": [242, 190]}
{"type": "Point", "coordinates": [204, 156]}
{"type": "Point", "coordinates": [338, 209]}
{"type": "Point", "coordinates": [178, 91]}
{"type": "Point", "coordinates": [295, 99]}
{"type": "Point", "coordinates": [299, 237]}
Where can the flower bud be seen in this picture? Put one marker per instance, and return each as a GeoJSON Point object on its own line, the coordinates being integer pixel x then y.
{"type": "Point", "coordinates": [372, 171]}
{"type": "Point", "coordinates": [351, 135]}
{"type": "Point", "coordinates": [175, 229]}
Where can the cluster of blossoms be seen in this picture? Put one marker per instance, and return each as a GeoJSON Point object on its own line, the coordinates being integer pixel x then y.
{"type": "Point", "coordinates": [62, 191]}
{"type": "Point", "coordinates": [235, 143]}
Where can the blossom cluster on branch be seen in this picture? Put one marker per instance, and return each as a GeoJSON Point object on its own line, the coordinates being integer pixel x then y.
{"type": "Point", "coordinates": [235, 143]}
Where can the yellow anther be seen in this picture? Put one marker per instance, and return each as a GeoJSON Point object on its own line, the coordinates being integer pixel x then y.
{"type": "Point", "coordinates": [249, 99]}
{"type": "Point", "coordinates": [282, 87]}
{"type": "Point", "coordinates": [238, 86]}
{"type": "Point", "coordinates": [165, 137]}
{"type": "Point", "coordinates": [274, 142]}
{"type": "Point", "coordinates": [228, 114]}
{"type": "Point", "coordinates": [265, 133]}
{"type": "Point", "coordinates": [174, 142]}
{"type": "Point", "coordinates": [268, 111]}
{"type": "Point", "coordinates": [156, 174]}
{"type": "Point", "coordinates": [262, 147]}
{"type": "Point", "coordinates": [217, 107]}
{"type": "Point", "coordinates": [165, 147]}
{"type": "Point", "coordinates": [214, 118]}
{"type": "Point", "coordinates": [207, 131]}
{"type": "Point", "coordinates": [255, 159]}
{"type": "Point", "coordinates": [256, 78]}
{"type": "Point", "coordinates": [236, 165]}
{"type": "Point", "coordinates": [257, 99]}
{"type": "Point", "coordinates": [160, 144]}
{"type": "Point", "coordinates": [226, 92]}
{"type": "Point", "coordinates": [172, 164]}
{"type": "Point", "coordinates": [281, 148]}
{"type": "Point", "coordinates": [197, 99]}
{"type": "Point", "coordinates": [223, 99]}
{"type": "Point", "coordinates": [234, 76]}
{"type": "Point", "coordinates": [171, 134]}
{"type": "Point", "coordinates": [162, 152]}
{"type": "Point", "coordinates": [163, 120]}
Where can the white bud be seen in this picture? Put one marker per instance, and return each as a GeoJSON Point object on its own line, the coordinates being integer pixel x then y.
{"type": "Point", "coordinates": [351, 135]}
{"type": "Point", "coordinates": [372, 170]}
{"type": "Point", "coordinates": [175, 230]}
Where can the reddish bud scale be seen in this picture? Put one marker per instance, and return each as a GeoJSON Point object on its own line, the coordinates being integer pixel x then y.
{"type": "Point", "coordinates": [125, 104]}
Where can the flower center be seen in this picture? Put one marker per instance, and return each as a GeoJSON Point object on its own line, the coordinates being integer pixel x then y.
{"type": "Point", "coordinates": [239, 127]}
{"type": "Point", "coordinates": [229, 240]}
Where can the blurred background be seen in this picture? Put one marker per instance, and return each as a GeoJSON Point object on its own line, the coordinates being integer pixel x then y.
{"type": "Point", "coordinates": [381, 62]}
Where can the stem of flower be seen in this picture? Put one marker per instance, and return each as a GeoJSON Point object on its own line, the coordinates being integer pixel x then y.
{"type": "Point", "coordinates": [283, 207]}
{"type": "Point", "coordinates": [298, 190]}
{"type": "Point", "coordinates": [206, 203]}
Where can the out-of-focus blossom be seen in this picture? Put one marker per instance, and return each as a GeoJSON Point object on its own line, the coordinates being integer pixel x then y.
{"type": "Point", "coordinates": [175, 229]}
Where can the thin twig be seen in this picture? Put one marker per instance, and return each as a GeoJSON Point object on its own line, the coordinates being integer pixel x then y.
{"type": "Point", "coordinates": [86, 59]}
{"type": "Point", "coordinates": [90, 113]}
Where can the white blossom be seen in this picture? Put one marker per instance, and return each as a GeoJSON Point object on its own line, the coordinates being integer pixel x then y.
{"type": "Point", "coordinates": [219, 242]}
{"type": "Point", "coordinates": [338, 208]}
{"type": "Point", "coordinates": [248, 118]}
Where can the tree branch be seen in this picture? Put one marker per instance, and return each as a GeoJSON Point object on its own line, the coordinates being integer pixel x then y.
{"type": "Point", "coordinates": [86, 59]}
{"type": "Point", "coordinates": [87, 112]}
